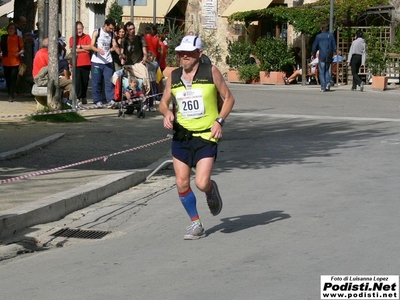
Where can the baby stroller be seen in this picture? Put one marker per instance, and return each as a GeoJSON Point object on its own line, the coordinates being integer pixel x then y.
{"type": "Point", "coordinates": [121, 80]}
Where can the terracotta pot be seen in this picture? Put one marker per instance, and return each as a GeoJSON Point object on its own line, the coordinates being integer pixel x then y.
{"type": "Point", "coordinates": [272, 77]}
{"type": "Point", "coordinates": [379, 83]}
{"type": "Point", "coordinates": [233, 76]}
{"type": "Point", "coordinates": [168, 70]}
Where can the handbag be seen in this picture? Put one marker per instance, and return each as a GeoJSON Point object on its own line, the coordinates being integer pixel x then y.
{"type": "Point", "coordinates": [22, 69]}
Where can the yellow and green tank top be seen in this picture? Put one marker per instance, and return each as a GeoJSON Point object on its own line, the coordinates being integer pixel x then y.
{"type": "Point", "coordinates": [196, 107]}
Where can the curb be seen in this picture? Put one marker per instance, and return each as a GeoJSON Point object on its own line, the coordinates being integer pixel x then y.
{"type": "Point", "coordinates": [57, 206]}
{"type": "Point", "coordinates": [33, 146]}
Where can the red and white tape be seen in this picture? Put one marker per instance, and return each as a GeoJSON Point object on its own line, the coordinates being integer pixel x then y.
{"type": "Point", "coordinates": [55, 112]}
{"type": "Point", "coordinates": [104, 158]}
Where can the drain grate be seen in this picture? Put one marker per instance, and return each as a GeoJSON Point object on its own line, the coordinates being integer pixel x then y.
{"type": "Point", "coordinates": [81, 233]}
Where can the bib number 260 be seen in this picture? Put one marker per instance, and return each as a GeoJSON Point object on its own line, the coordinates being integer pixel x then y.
{"type": "Point", "coordinates": [189, 105]}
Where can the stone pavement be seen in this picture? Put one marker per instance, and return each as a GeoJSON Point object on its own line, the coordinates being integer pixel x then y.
{"type": "Point", "coordinates": [39, 146]}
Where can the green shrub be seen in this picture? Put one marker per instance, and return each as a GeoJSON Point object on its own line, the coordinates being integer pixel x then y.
{"type": "Point", "coordinates": [274, 54]}
{"type": "Point", "coordinates": [238, 54]}
{"type": "Point", "coordinates": [249, 72]}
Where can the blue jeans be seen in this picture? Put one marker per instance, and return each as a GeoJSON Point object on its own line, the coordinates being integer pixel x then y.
{"type": "Point", "coordinates": [324, 74]}
{"type": "Point", "coordinates": [100, 71]}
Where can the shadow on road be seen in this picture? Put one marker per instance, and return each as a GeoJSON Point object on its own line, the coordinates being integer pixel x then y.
{"type": "Point", "coordinates": [260, 142]}
{"type": "Point", "coordinates": [238, 223]}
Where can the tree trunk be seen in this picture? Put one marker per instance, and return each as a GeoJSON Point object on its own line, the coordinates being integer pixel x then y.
{"type": "Point", "coordinates": [53, 90]}
{"type": "Point", "coordinates": [26, 8]}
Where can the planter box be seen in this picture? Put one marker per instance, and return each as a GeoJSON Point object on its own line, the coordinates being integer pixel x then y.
{"type": "Point", "coordinates": [233, 76]}
{"type": "Point", "coordinates": [272, 77]}
{"type": "Point", "coordinates": [379, 83]}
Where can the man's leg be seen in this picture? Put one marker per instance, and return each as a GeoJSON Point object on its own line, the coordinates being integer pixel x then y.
{"type": "Point", "coordinates": [188, 199]}
{"type": "Point", "coordinates": [96, 83]}
{"type": "Point", "coordinates": [108, 72]}
{"type": "Point", "coordinates": [205, 184]}
{"type": "Point", "coordinates": [78, 82]}
{"type": "Point", "coordinates": [322, 75]}
{"type": "Point", "coordinates": [85, 74]}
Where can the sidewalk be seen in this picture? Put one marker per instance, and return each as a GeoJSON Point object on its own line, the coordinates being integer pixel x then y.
{"type": "Point", "coordinates": [48, 197]}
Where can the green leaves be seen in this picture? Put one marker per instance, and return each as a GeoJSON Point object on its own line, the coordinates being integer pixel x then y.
{"type": "Point", "coordinates": [377, 52]}
{"type": "Point", "coordinates": [274, 54]}
{"type": "Point", "coordinates": [238, 54]}
{"type": "Point", "coordinates": [308, 18]}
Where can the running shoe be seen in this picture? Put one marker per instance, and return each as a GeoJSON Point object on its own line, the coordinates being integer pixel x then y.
{"type": "Point", "coordinates": [195, 231]}
{"type": "Point", "coordinates": [153, 109]}
{"type": "Point", "coordinates": [362, 86]}
{"type": "Point", "coordinates": [214, 201]}
{"type": "Point", "coordinates": [99, 104]}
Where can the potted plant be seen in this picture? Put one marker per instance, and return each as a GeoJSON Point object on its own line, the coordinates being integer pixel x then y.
{"type": "Point", "coordinates": [275, 57]}
{"type": "Point", "coordinates": [238, 56]}
{"type": "Point", "coordinates": [250, 73]}
{"type": "Point", "coordinates": [377, 59]}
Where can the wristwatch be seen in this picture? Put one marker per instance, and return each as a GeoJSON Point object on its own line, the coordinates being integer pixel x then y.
{"type": "Point", "coordinates": [221, 121]}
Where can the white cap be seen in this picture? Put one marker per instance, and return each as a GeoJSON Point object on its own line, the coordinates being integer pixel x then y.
{"type": "Point", "coordinates": [189, 43]}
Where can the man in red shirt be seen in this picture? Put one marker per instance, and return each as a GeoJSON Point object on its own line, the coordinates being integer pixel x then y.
{"type": "Point", "coordinates": [41, 58]}
{"type": "Point", "coordinates": [153, 43]}
{"type": "Point", "coordinates": [83, 63]}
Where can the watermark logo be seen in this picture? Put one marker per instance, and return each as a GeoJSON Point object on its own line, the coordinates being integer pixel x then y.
{"type": "Point", "coordinates": [385, 287]}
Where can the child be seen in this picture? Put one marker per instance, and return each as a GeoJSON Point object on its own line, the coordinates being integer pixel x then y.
{"type": "Point", "coordinates": [133, 90]}
{"type": "Point", "coordinates": [153, 68]}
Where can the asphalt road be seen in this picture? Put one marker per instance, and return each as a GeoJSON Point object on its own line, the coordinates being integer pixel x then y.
{"type": "Point", "coordinates": [310, 187]}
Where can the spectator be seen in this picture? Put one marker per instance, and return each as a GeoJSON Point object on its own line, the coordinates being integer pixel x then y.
{"type": "Point", "coordinates": [356, 59]}
{"type": "Point", "coordinates": [163, 52]}
{"type": "Point", "coordinates": [11, 47]}
{"type": "Point", "coordinates": [40, 67]}
{"type": "Point", "coordinates": [313, 65]}
{"type": "Point", "coordinates": [120, 34]}
{"type": "Point", "coordinates": [152, 42]}
{"type": "Point", "coordinates": [62, 46]}
{"type": "Point", "coordinates": [83, 63]}
{"type": "Point", "coordinates": [134, 47]}
{"type": "Point", "coordinates": [338, 57]}
{"type": "Point", "coordinates": [102, 62]}
{"type": "Point", "coordinates": [153, 68]}
{"type": "Point", "coordinates": [325, 43]}
{"type": "Point", "coordinates": [133, 90]}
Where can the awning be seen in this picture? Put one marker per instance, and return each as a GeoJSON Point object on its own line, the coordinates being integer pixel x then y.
{"type": "Point", "coordinates": [6, 8]}
{"type": "Point", "coordinates": [94, 1]}
{"type": "Point", "coordinates": [245, 5]}
{"type": "Point", "coordinates": [163, 7]}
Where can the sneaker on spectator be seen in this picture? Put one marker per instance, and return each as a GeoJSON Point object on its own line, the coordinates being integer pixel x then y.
{"type": "Point", "coordinates": [214, 201]}
{"type": "Point", "coordinates": [328, 86]}
{"type": "Point", "coordinates": [362, 86]}
{"type": "Point", "coordinates": [99, 104]}
{"type": "Point", "coordinates": [153, 109]}
{"type": "Point", "coordinates": [195, 231]}
{"type": "Point", "coordinates": [111, 104]}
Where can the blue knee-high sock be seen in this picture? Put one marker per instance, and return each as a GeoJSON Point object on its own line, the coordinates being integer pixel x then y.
{"type": "Point", "coordinates": [188, 200]}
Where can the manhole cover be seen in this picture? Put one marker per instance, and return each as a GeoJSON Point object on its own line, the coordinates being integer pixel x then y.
{"type": "Point", "coordinates": [81, 233]}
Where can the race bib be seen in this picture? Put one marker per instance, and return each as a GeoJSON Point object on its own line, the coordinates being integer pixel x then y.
{"type": "Point", "coordinates": [191, 103]}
